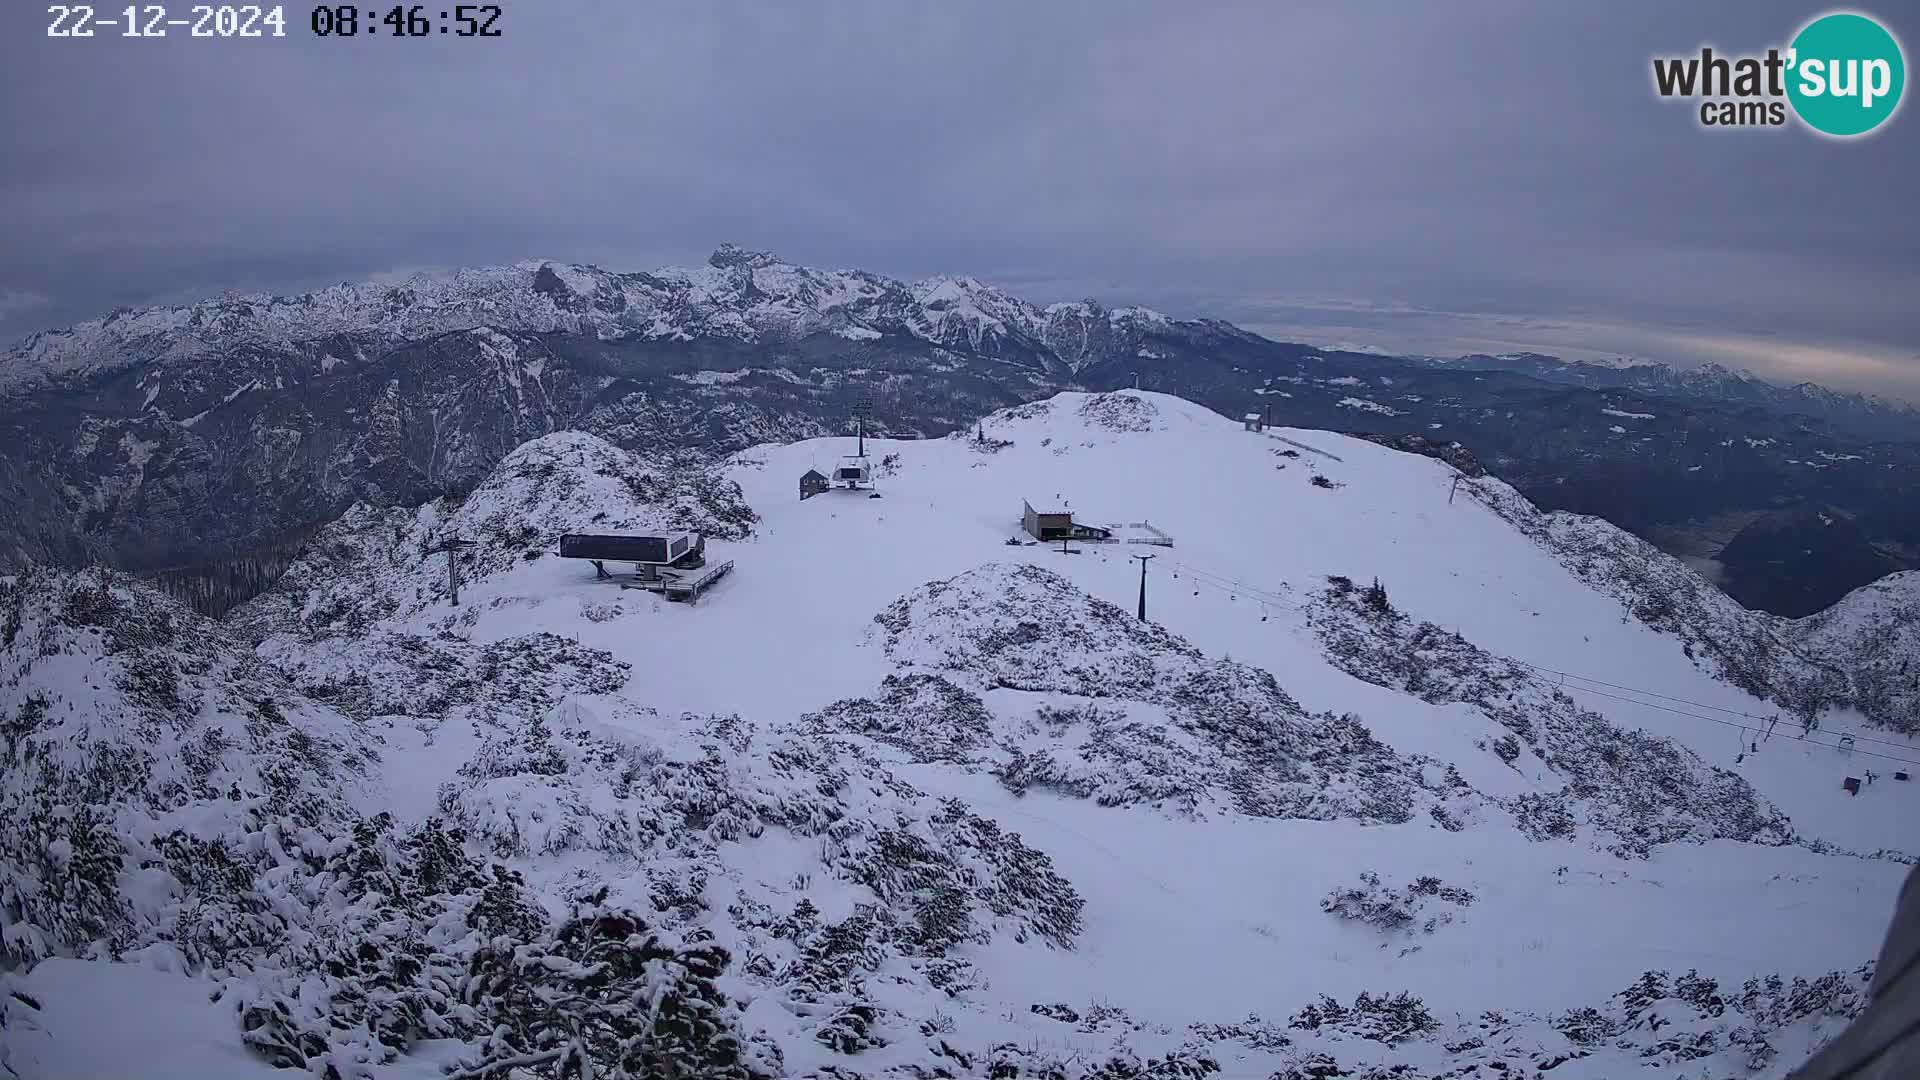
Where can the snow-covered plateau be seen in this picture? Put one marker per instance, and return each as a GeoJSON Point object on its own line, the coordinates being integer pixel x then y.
{"type": "Point", "coordinates": [1399, 777]}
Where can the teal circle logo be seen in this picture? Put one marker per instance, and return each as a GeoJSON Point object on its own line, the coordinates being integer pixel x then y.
{"type": "Point", "coordinates": [1845, 74]}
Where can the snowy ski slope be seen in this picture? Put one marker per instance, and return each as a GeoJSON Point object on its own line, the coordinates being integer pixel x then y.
{"type": "Point", "coordinates": [1195, 920]}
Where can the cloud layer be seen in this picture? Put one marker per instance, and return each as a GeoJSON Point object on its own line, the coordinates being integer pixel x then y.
{"type": "Point", "coordinates": [1433, 178]}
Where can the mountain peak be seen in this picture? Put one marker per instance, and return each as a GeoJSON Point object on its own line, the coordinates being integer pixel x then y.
{"type": "Point", "coordinates": [1722, 371]}
{"type": "Point", "coordinates": [1616, 363]}
{"type": "Point", "coordinates": [728, 256]}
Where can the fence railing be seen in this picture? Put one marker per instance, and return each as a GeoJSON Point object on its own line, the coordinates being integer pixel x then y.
{"type": "Point", "coordinates": [1158, 539]}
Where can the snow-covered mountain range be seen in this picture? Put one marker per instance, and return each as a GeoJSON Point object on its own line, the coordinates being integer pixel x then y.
{"type": "Point", "coordinates": [174, 436]}
{"type": "Point", "coordinates": [746, 296]}
{"type": "Point", "coordinates": [1402, 776]}
{"type": "Point", "coordinates": [188, 437]}
{"type": "Point", "coordinates": [749, 296]}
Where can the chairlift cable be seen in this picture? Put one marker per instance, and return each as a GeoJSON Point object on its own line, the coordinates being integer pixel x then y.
{"type": "Point", "coordinates": [1716, 720]}
{"type": "Point", "coordinates": [1226, 582]}
{"type": "Point", "coordinates": [1908, 745]}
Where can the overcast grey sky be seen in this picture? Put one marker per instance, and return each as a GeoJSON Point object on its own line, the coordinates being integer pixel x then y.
{"type": "Point", "coordinates": [1422, 177]}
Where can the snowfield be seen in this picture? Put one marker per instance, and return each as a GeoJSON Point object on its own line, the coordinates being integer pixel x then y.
{"type": "Point", "coordinates": [1392, 775]}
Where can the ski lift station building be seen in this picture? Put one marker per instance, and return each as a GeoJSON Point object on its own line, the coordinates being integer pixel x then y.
{"type": "Point", "coordinates": [1057, 525]}
{"type": "Point", "coordinates": [679, 549]}
{"type": "Point", "coordinates": [853, 472]}
{"type": "Point", "coordinates": [674, 565]}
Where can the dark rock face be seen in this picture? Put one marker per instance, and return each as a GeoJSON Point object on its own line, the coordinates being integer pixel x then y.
{"type": "Point", "coordinates": [188, 437]}
{"type": "Point", "coordinates": [1762, 560]}
{"type": "Point", "coordinates": [424, 420]}
{"type": "Point", "coordinates": [1452, 453]}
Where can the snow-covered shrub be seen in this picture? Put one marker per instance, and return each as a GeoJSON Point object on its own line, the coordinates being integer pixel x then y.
{"type": "Point", "coordinates": [1179, 1065]}
{"type": "Point", "coordinates": [403, 937]}
{"type": "Point", "coordinates": [1253, 1033]}
{"type": "Point", "coordinates": [1114, 759]}
{"type": "Point", "coordinates": [1315, 1066]}
{"type": "Point", "coordinates": [851, 1029]}
{"type": "Point", "coordinates": [607, 995]}
{"type": "Point", "coordinates": [1119, 411]}
{"type": "Point", "coordinates": [384, 923]}
{"type": "Point", "coordinates": [104, 757]}
{"type": "Point", "coordinates": [340, 941]}
{"type": "Point", "coordinates": [1586, 1026]}
{"type": "Point", "coordinates": [925, 714]}
{"type": "Point", "coordinates": [1389, 1019]}
{"type": "Point", "coordinates": [60, 872]}
{"type": "Point", "coordinates": [344, 950]}
{"type": "Point", "coordinates": [1229, 733]}
{"type": "Point", "coordinates": [1667, 1021]}
{"type": "Point", "coordinates": [1772, 1003]}
{"type": "Point", "coordinates": [928, 875]}
{"type": "Point", "coordinates": [949, 874]}
{"type": "Point", "coordinates": [1010, 1061]}
{"type": "Point", "coordinates": [1057, 1010]}
{"type": "Point", "coordinates": [1373, 600]}
{"type": "Point", "coordinates": [831, 960]}
{"type": "Point", "coordinates": [388, 673]}
{"type": "Point", "coordinates": [1388, 909]}
{"type": "Point", "coordinates": [951, 976]}
{"type": "Point", "coordinates": [1016, 882]}
{"type": "Point", "coordinates": [529, 750]}
{"type": "Point", "coordinates": [1659, 1025]}
{"type": "Point", "coordinates": [1129, 778]}
{"type": "Point", "coordinates": [599, 613]}
{"type": "Point", "coordinates": [1507, 749]}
